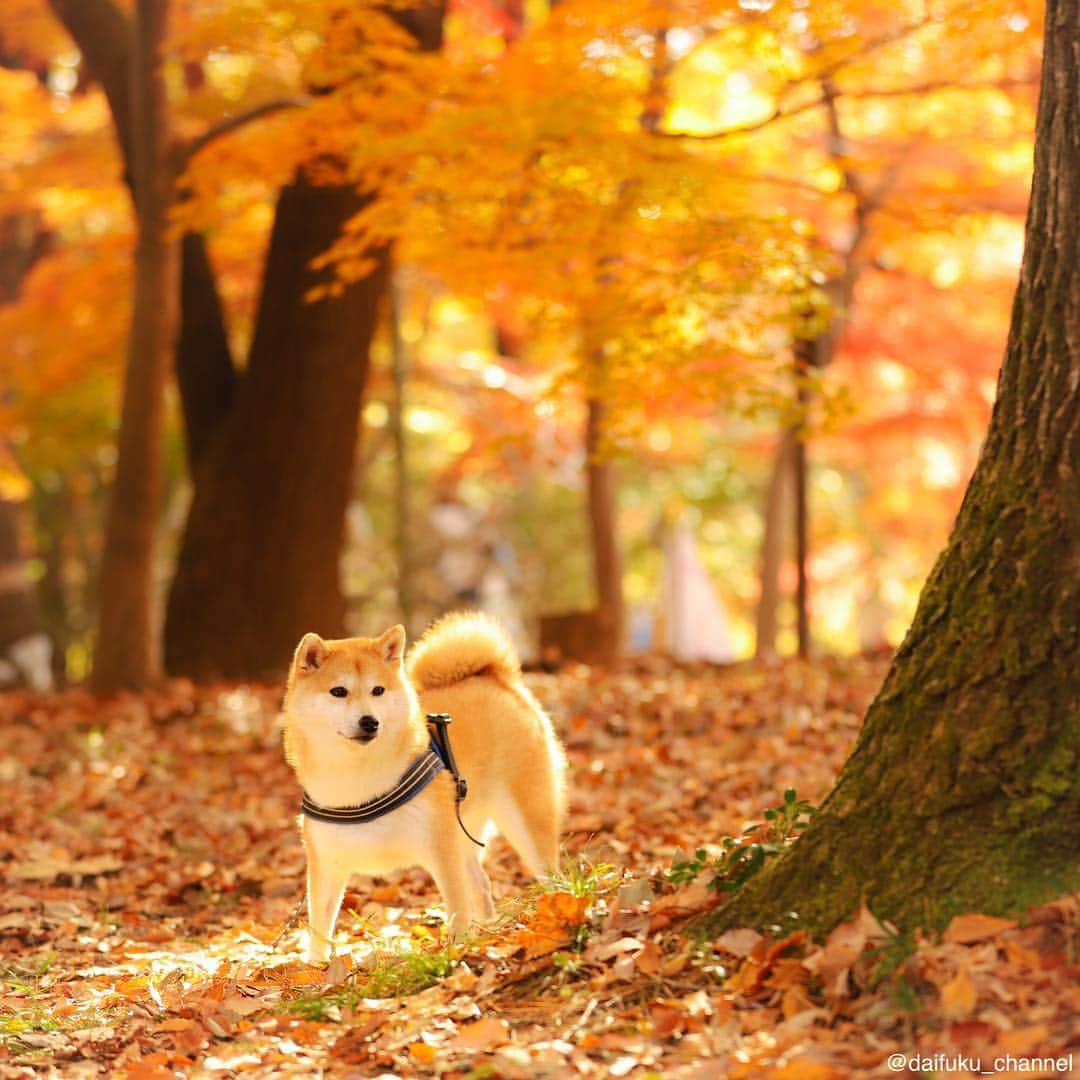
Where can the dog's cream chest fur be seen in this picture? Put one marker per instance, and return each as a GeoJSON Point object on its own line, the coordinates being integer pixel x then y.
{"type": "Point", "coordinates": [399, 839]}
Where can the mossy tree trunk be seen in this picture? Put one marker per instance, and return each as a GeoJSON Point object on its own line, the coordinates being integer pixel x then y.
{"type": "Point", "coordinates": [963, 792]}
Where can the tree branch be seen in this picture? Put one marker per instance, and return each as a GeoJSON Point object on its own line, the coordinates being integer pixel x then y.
{"type": "Point", "coordinates": [853, 95]}
{"type": "Point", "coordinates": [187, 151]}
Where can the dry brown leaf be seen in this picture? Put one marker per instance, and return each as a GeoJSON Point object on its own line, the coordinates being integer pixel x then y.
{"type": "Point", "coordinates": [650, 959]}
{"type": "Point", "coordinates": [739, 942]}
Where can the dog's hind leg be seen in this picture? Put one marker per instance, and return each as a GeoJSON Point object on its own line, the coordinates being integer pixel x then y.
{"type": "Point", "coordinates": [532, 829]}
{"type": "Point", "coordinates": [456, 871]}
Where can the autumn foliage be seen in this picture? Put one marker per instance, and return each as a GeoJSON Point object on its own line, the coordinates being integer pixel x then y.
{"type": "Point", "coordinates": [322, 316]}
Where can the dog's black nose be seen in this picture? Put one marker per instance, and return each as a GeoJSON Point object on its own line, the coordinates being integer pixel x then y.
{"type": "Point", "coordinates": [369, 725]}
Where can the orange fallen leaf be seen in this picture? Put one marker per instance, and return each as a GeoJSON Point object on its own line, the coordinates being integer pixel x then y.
{"type": "Point", "coordinates": [423, 1053]}
{"type": "Point", "coordinates": [131, 988]}
{"type": "Point", "coordinates": [959, 996]}
{"type": "Point", "coordinates": [484, 1034]}
{"type": "Point", "coordinates": [806, 1068]}
{"type": "Point", "coordinates": [1023, 1041]}
{"type": "Point", "coordinates": [174, 1023]}
{"type": "Point", "coordinates": [556, 915]}
{"type": "Point", "coordinates": [965, 929]}
{"type": "Point", "coordinates": [650, 959]}
{"type": "Point", "coordinates": [668, 1019]}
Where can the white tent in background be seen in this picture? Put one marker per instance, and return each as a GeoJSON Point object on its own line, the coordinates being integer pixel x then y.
{"type": "Point", "coordinates": [694, 623]}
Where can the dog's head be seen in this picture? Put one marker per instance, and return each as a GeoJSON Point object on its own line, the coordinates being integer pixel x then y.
{"type": "Point", "coordinates": [355, 687]}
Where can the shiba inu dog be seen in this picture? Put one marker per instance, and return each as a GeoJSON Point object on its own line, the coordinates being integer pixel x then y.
{"type": "Point", "coordinates": [355, 729]}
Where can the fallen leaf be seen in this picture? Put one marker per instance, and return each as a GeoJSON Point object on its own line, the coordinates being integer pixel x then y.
{"type": "Point", "coordinates": [965, 929]}
{"type": "Point", "coordinates": [423, 1053]}
{"type": "Point", "coordinates": [485, 1034]}
{"type": "Point", "coordinates": [739, 942]}
{"type": "Point", "coordinates": [959, 996]}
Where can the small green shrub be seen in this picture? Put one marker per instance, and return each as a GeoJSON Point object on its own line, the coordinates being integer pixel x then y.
{"type": "Point", "coordinates": [742, 857]}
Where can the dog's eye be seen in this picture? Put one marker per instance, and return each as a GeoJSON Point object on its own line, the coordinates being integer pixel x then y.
{"type": "Point", "coordinates": [378, 691]}
{"type": "Point", "coordinates": [339, 691]}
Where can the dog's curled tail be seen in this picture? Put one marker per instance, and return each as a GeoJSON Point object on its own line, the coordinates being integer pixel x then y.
{"type": "Point", "coordinates": [460, 645]}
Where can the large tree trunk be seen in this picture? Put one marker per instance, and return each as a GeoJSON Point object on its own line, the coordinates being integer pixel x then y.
{"type": "Point", "coordinates": [963, 791]}
{"type": "Point", "coordinates": [258, 565]}
{"type": "Point", "coordinates": [127, 652]}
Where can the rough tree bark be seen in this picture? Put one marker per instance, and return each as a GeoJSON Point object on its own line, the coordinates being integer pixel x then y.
{"type": "Point", "coordinates": [258, 563]}
{"type": "Point", "coordinates": [963, 791]}
{"type": "Point", "coordinates": [127, 652]}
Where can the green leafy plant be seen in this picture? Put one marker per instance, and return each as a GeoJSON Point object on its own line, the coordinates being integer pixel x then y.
{"type": "Point", "coordinates": [742, 857]}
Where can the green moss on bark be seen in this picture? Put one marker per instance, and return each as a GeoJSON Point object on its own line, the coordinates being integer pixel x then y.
{"type": "Point", "coordinates": [963, 791]}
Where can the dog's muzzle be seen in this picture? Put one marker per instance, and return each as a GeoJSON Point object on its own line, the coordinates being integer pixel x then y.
{"type": "Point", "coordinates": [368, 728]}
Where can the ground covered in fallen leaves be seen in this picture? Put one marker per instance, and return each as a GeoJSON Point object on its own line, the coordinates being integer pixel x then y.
{"type": "Point", "coordinates": [150, 859]}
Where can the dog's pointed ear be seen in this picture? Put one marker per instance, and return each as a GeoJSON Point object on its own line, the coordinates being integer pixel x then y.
{"type": "Point", "coordinates": [310, 654]}
{"type": "Point", "coordinates": [391, 645]}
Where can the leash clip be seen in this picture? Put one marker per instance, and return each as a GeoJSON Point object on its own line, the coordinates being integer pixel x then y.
{"type": "Point", "coordinates": [439, 735]}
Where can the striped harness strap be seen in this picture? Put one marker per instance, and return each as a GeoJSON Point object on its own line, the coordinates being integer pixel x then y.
{"type": "Point", "coordinates": [416, 777]}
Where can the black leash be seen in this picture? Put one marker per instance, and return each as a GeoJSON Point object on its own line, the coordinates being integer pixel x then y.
{"type": "Point", "coordinates": [440, 739]}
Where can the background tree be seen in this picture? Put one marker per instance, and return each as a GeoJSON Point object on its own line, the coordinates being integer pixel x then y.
{"type": "Point", "coordinates": [128, 636]}
{"type": "Point", "coordinates": [501, 173]}
{"type": "Point", "coordinates": [260, 551]}
{"type": "Point", "coordinates": [962, 792]}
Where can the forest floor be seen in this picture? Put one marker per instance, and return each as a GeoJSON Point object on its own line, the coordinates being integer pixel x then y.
{"type": "Point", "coordinates": [150, 859]}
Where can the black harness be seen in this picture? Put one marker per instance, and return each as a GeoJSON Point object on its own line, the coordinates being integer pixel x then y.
{"type": "Point", "coordinates": [416, 777]}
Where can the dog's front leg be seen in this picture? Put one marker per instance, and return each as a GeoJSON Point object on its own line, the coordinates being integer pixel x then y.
{"type": "Point", "coordinates": [325, 888]}
{"type": "Point", "coordinates": [455, 882]}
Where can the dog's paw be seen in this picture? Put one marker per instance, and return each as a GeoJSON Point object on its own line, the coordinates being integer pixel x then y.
{"type": "Point", "coordinates": [318, 952]}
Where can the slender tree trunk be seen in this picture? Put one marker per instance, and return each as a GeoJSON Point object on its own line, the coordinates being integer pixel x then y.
{"type": "Point", "coordinates": [399, 363]}
{"type": "Point", "coordinates": [963, 791]}
{"type": "Point", "coordinates": [775, 532]}
{"type": "Point", "coordinates": [258, 564]}
{"type": "Point", "coordinates": [128, 642]}
{"type": "Point", "coordinates": [603, 532]}
{"type": "Point", "coordinates": [800, 476]}
{"type": "Point", "coordinates": [25, 649]}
